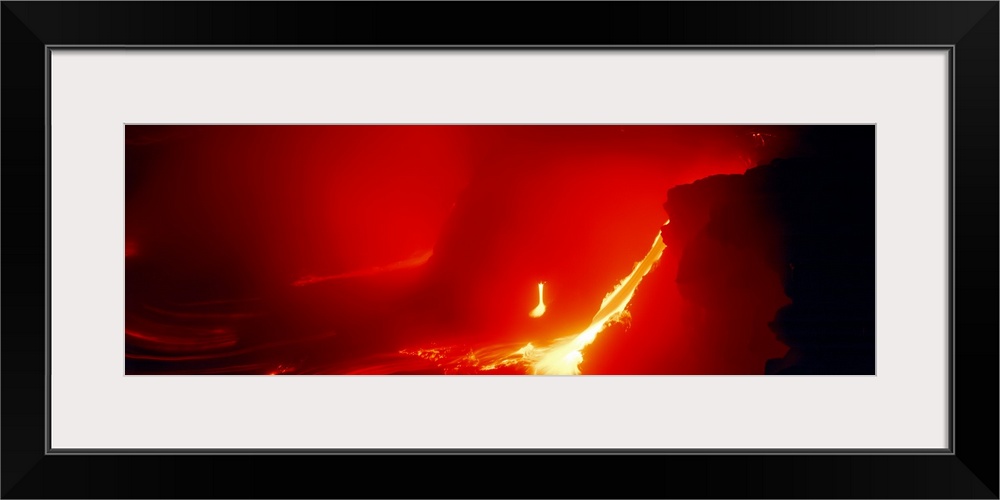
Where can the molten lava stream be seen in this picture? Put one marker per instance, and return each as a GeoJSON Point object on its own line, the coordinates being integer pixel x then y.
{"type": "Point", "coordinates": [564, 356]}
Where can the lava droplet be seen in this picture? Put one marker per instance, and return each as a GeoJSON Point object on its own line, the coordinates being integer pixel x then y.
{"type": "Point", "coordinates": [539, 310]}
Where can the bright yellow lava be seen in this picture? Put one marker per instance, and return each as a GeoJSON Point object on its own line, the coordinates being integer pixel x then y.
{"type": "Point", "coordinates": [565, 355]}
{"type": "Point", "coordinates": [540, 309]}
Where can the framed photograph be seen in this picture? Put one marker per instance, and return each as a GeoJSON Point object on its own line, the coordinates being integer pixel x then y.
{"type": "Point", "coordinates": [714, 249]}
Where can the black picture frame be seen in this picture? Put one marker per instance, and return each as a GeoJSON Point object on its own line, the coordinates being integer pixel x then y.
{"type": "Point", "coordinates": [970, 29]}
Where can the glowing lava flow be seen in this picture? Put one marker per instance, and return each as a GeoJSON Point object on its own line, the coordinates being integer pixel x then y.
{"type": "Point", "coordinates": [540, 309]}
{"type": "Point", "coordinates": [564, 356]}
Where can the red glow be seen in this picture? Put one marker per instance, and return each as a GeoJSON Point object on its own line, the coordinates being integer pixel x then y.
{"type": "Point", "coordinates": [402, 249]}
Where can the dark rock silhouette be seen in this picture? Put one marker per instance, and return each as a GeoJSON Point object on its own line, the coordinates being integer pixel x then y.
{"type": "Point", "coordinates": [783, 252]}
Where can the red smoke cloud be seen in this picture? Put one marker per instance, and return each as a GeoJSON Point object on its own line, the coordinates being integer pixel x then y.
{"type": "Point", "coordinates": [236, 216]}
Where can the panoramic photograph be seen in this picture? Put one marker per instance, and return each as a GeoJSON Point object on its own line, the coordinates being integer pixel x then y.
{"type": "Point", "coordinates": [612, 249]}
